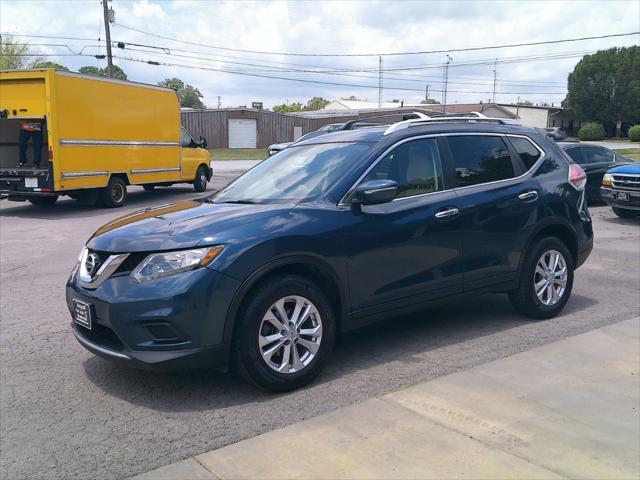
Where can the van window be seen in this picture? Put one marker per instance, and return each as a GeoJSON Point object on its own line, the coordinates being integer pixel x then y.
{"type": "Point", "coordinates": [527, 151]}
{"type": "Point", "coordinates": [414, 166]}
{"type": "Point", "coordinates": [480, 159]}
{"type": "Point", "coordinates": [185, 138]}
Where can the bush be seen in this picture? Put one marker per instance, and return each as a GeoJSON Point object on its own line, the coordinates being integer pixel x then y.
{"type": "Point", "coordinates": [591, 131]}
{"type": "Point", "coordinates": [634, 133]}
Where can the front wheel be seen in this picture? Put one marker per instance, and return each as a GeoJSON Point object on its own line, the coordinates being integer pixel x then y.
{"type": "Point", "coordinates": [200, 183]}
{"type": "Point", "coordinates": [284, 334]}
{"type": "Point", "coordinates": [624, 213]}
{"type": "Point", "coordinates": [44, 201]}
{"type": "Point", "coordinates": [115, 193]}
{"type": "Point", "coordinates": [546, 279]}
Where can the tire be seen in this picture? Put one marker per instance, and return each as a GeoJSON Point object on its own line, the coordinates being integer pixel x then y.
{"type": "Point", "coordinates": [624, 213]}
{"type": "Point", "coordinates": [200, 183]}
{"type": "Point", "coordinates": [251, 359]}
{"type": "Point", "coordinates": [150, 187]}
{"type": "Point", "coordinates": [525, 298]}
{"type": "Point", "coordinates": [44, 201]}
{"type": "Point", "coordinates": [115, 193]}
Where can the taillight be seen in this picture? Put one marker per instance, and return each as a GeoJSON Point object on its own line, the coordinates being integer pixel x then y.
{"type": "Point", "coordinates": [577, 177]}
{"type": "Point", "coordinates": [50, 154]}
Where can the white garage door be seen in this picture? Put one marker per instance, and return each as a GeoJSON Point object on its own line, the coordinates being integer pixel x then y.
{"type": "Point", "coordinates": [242, 133]}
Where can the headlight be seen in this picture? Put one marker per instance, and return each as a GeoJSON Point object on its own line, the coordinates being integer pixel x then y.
{"type": "Point", "coordinates": [606, 180]}
{"type": "Point", "coordinates": [163, 264]}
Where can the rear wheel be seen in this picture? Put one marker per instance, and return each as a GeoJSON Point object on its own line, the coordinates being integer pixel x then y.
{"type": "Point", "coordinates": [200, 183]}
{"type": "Point", "coordinates": [284, 334]}
{"type": "Point", "coordinates": [546, 279]}
{"type": "Point", "coordinates": [624, 213]}
{"type": "Point", "coordinates": [115, 193]}
{"type": "Point", "coordinates": [44, 201]}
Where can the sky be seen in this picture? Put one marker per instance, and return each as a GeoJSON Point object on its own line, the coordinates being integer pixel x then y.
{"type": "Point", "coordinates": [331, 28]}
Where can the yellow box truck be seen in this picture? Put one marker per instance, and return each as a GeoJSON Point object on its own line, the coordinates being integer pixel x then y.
{"type": "Point", "coordinates": [98, 136]}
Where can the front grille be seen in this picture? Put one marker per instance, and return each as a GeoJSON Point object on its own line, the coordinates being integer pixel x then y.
{"type": "Point", "coordinates": [626, 182]}
{"type": "Point", "coordinates": [102, 336]}
{"type": "Point", "coordinates": [131, 262]}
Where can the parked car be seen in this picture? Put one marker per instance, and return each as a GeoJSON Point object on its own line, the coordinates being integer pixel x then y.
{"type": "Point", "coordinates": [595, 161]}
{"type": "Point", "coordinates": [331, 127]}
{"type": "Point", "coordinates": [334, 233]}
{"type": "Point", "coordinates": [556, 133]}
{"type": "Point", "coordinates": [621, 189]}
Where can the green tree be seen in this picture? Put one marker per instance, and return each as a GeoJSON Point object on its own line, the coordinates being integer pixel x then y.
{"type": "Point", "coordinates": [605, 87]}
{"type": "Point", "coordinates": [102, 72]}
{"type": "Point", "coordinates": [57, 66]}
{"type": "Point", "coordinates": [16, 55]}
{"type": "Point", "coordinates": [316, 103]}
{"type": "Point", "coordinates": [351, 98]}
{"type": "Point", "coordinates": [429, 101]}
{"type": "Point", "coordinates": [292, 107]}
{"type": "Point", "coordinates": [188, 95]}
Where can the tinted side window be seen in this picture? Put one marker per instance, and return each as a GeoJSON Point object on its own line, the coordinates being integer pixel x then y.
{"type": "Point", "coordinates": [528, 153]}
{"type": "Point", "coordinates": [479, 159]}
{"type": "Point", "coordinates": [413, 165]}
{"type": "Point", "coordinates": [576, 155]}
{"type": "Point", "coordinates": [597, 155]}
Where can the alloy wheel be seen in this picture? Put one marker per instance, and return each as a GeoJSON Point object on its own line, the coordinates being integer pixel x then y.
{"type": "Point", "coordinates": [550, 277]}
{"type": "Point", "coordinates": [289, 335]}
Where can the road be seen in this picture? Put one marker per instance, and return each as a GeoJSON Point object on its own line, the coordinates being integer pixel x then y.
{"type": "Point", "coordinates": [67, 414]}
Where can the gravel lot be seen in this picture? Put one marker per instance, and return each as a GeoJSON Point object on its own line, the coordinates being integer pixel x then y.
{"type": "Point", "coordinates": [67, 414]}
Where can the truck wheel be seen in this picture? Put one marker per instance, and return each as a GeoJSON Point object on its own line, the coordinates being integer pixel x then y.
{"type": "Point", "coordinates": [200, 183]}
{"type": "Point", "coordinates": [284, 334]}
{"type": "Point", "coordinates": [115, 193]}
{"type": "Point", "coordinates": [149, 187]}
{"type": "Point", "coordinates": [624, 213]}
{"type": "Point", "coordinates": [44, 201]}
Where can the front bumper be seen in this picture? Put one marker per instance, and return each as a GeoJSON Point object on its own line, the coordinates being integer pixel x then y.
{"type": "Point", "coordinates": [165, 324]}
{"type": "Point", "coordinates": [608, 196]}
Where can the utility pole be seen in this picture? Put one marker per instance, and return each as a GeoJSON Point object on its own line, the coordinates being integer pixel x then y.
{"type": "Point", "coordinates": [495, 66]}
{"type": "Point", "coordinates": [446, 81]}
{"type": "Point", "coordinates": [219, 101]}
{"type": "Point", "coordinates": [426, 93]}
{"type": "Point", "coordinates": [380, 81]}
{"type": "Point", "coordinates": [107, 32]}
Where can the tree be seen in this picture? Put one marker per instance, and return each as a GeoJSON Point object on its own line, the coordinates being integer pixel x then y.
{"type": "Point", "coordinates": [188, 95]}
{"type": "Point", "coordinates": [351, 98]}
{"type": "Point", "coordinates": [605, 87]}
{"type": "Point", "coordinates": [57, 66]}
{"type": "Point", "coordinates": [292, 107]}
{"type": "Point", "coordinates": [16, 56]}
{"type": "Point", "coordinates": [525, 103]}
{"type": "Point", "coordinates": [429, 101]}
{"type": "Point", "coordinates": [316, 103]}
{"type": "Point", "coordinates": [102, 72]}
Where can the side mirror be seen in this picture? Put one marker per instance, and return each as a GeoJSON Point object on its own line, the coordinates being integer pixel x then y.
{"type": "Point", "coordinates": [375, 192]}
{"type": "Point", "coordinates": [203, 142]}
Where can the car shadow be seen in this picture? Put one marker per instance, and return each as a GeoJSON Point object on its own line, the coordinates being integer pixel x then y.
{"type": "Point", "coordinates": [622, 221]}
{"type": "Point", "coordinates": [406, 339]}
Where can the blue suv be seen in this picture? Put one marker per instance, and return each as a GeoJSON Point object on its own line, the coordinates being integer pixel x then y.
{"type": "Point", "coordinates": [330, 235]}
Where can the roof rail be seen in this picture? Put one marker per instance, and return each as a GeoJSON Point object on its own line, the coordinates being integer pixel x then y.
{"type": "Point", "coordinates": [471, 117]}
{"type": "Point", "coordinates": [405, 117]}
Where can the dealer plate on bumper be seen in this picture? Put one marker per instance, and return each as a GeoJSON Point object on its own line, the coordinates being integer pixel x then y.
{"type": "Point", "coordinates": [624, 196]}
{"type": "Point", "coordinates": [31, 182]}
{"type": "Point", "coordinates": [82, 313]}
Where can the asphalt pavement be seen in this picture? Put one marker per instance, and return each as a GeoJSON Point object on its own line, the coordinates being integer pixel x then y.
{"type": "Point", "coordinates": [67, 414]}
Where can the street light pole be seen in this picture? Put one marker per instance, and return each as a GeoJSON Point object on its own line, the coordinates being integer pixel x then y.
{"type": "Point", "coordinates": [107, 32]}
{"type": "Point", "coordinates": [446, 81]}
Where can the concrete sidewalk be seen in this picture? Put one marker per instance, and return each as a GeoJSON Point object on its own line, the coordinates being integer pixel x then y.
{"type": "Point", "coordinates": [566, 409]}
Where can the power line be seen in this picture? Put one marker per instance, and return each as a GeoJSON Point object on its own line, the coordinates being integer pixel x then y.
{"type": "Point", "coordinates": [388, 54]}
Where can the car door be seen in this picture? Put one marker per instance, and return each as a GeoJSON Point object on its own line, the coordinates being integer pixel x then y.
{"type": "Point", "coordinates": [408, 250]}
{"type": "Point", "coordinates": [498, 204]}
{"type": "Point", "coordinates": [190, 154]}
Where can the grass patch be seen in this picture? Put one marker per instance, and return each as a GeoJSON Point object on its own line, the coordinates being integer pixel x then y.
{"type": "Point", "coordinates": [238, 154]}
{"type": "Point", "coordinates": [632, 153]}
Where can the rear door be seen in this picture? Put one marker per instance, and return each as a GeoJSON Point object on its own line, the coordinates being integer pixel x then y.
{"type": "Point", "coordinates": [497, 203]}
{"type": "Point", "coordinates": [401, 253]}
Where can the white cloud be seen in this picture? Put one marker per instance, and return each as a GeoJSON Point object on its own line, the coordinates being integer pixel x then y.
{"type": "Point", "coordinates": [334, 27]}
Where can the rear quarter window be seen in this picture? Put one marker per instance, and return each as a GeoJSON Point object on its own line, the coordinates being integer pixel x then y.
{"type": "Point", "coordinates": [527, 151]}
{"type": "Point", "coordinates": [480, 159]}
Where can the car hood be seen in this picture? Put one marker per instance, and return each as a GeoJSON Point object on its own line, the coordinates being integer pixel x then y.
{"type": "Point", "coordinates": [631, 168]}
{"type": "Point", "coordinates": [184, 224]}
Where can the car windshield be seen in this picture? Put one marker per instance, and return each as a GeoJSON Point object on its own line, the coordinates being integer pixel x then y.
{"type": "Point", "coordinates": [298, 174]}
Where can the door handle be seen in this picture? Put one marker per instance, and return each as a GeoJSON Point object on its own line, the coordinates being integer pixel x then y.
{"type": "Point", "coordinates": [530, 195]}
{"type": "Point", "coordinates": [449, 212]}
